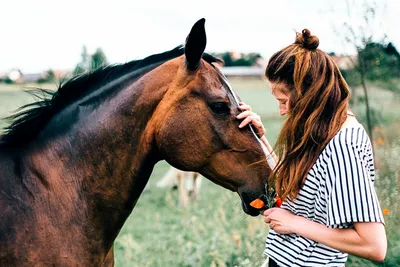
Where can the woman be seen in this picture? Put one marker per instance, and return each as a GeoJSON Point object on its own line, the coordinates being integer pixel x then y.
{"type": "Point", "coordinates": [325, 169]}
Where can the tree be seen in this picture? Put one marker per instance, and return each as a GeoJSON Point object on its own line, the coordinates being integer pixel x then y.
{"type": "Point", "coordinates": [48, 77]}
{"type": "Point", "coordinates": [84, 64]}
{"type": "Point", "coordinates": [243, 60]}
{"type": "Point", "coordinates": [362, 38]}
{"type": "Point", "coordinates": [226, 57]}
{"type": "Point", "coordinates": [90, 62]}
{"type": "Point", "coordinates": [391, 50]}
{"type": "Point", "coordinates": [381, 62]}
{"type": "Point", "coordinates": [98, 59]}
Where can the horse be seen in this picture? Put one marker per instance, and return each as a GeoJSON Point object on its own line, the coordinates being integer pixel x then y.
{"type": "Point", "coordinates": [74, 163]}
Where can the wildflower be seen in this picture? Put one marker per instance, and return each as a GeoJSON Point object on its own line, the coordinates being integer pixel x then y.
{"type": "Point", "coordinates": [257, 203]}
{"type": "Point", "coordinates": [278, 202]}
{"type": "Point", "coordinates": [386, 211]}
{"type": "Point", "coordinates": [381, 141]}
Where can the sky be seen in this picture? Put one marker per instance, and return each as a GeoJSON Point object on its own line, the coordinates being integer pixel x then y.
{"type": "Point", "coordinates": [40, 35]}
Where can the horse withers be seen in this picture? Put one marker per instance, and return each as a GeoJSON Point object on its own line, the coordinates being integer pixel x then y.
{"type": "Point", "coordinates": [73, 165]}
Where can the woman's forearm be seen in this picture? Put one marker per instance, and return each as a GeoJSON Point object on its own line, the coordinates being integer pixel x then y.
{"type": "Point", "coordinates": [366, 240]}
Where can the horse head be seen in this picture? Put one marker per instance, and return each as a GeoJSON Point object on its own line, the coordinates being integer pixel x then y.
{"type": "Point", "coordinates": [197, 129]}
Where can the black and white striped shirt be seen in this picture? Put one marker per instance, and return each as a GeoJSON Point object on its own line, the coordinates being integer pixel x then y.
{"type": "Point", "coordinates": [337, 192]}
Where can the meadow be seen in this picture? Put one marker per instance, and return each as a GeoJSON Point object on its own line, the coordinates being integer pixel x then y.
{"type": "Point", "coordinates": [214, 231]}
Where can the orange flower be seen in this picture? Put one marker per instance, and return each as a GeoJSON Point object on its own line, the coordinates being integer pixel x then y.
{"type": "Point", "coordinates": [278, 202]}
{"type": "Point", "coordinates": [386, 211]}
{"type": "Point", "coordinates": [381, 141]}
{"type": "Point", "coordinates": [257, 203]}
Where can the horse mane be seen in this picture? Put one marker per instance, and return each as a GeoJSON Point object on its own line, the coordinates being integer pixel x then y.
{"type": "Point", "coordinates": [29, 119]}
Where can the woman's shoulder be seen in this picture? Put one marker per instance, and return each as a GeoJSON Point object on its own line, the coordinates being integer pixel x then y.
{"type": "Point", "coordinates": [354, 135]}
{"type": "Point", "coordinates": [350, 138]}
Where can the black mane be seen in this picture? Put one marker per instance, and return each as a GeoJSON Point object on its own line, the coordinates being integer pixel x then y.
{"type": "Point", "coordinates": [29, 119]}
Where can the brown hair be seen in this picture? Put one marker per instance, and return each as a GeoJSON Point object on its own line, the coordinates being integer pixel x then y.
{"type": "Point", "coordinates": [318, 102]}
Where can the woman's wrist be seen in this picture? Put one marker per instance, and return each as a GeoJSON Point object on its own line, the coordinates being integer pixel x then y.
{"type": "Point", "coordinates": [298, 224]}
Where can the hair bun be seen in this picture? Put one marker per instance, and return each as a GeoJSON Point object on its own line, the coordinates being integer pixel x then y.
{"type": "Point", "coordinates": [306, 40]}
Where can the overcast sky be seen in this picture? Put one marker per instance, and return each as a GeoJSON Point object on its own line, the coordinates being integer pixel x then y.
{"type": "Point", "coordinates": [39, 34]}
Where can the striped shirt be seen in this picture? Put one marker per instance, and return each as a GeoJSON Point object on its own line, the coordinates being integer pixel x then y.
{"type": "Point", "coordinates": [338, 191]}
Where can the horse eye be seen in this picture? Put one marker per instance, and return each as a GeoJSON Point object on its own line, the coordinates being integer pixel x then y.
{"type": "Point", "coordinates": [220, 108]}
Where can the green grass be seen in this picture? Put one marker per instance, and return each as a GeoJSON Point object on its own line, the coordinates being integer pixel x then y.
{"type": "Point", "coordinates": [214, 231]}
{"type": "Point", "coordinates": [211, 230]}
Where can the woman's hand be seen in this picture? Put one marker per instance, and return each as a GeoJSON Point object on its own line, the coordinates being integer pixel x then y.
{"type": "Point", "coordinates": [250, 117]}
{"type": "Point", "coordinates": [280, 220]}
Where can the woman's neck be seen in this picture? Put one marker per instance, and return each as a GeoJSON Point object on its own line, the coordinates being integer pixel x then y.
{"type": "Point", "coordinates": [350, 121]}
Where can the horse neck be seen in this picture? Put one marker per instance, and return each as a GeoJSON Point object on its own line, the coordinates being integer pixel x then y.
{"type": "Point", "coordinates": [104, 158]}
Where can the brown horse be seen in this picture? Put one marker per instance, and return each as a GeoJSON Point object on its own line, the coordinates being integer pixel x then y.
{"type": "Point", "coordinates": [73, 165]}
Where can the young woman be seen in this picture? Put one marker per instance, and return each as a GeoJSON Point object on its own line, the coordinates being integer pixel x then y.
{"type": "Point", "coordinates": [325, 169]}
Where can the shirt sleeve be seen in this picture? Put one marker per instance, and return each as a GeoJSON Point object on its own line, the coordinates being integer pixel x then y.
{"type": "Point", "coordinates": [350, 188]}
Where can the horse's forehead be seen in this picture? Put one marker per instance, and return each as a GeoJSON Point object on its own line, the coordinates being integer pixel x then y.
{"type": "Point", "coordinates": [214, 80]}
{"type": "Point", "coordinates": [209, 77]}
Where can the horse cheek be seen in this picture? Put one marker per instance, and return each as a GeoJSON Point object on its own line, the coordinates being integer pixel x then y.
{"type": "Point", "coordinates": [181, 145]}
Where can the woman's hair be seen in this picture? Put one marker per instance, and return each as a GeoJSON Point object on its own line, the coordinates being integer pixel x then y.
{"type": "Point", "coordinates": [318, 101]}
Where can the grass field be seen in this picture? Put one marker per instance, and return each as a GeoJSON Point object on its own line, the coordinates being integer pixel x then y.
{"type": "Point", "coordinates": [214, 231]}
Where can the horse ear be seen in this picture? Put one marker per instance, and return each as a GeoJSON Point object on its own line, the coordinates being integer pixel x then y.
{"type": "Point", "coordinates": [195, 44]}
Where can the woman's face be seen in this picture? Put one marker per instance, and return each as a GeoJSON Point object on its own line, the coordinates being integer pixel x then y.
{"type": "Point", "coordinates": [278, 90]}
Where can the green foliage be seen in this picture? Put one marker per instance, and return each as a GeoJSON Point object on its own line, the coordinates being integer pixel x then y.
{"type": "Point", "coordinates": [244, 60]}
{"type": "Point", "coordinates": [379, 66]}
{"type": "Point", "coordinates": [99, 59]}
{"type": "Point", "coordinates": [226, 57]}
{"type": "Point", "coordinates": [6, 80]}
{"type": "Point", "coordinates": [352, 77]}
{"type": "Point", "coordinates": [378, 63]}
{"type": "Point", "coordinates": [90, 62]}
{"type": "Point", "coordinates": [48, 78]}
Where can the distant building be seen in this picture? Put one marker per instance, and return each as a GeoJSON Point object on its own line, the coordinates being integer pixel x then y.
{"type": "Point", "coordinates": [254, 71]}
{"type": "Point", "coordinates": [16, 76]}
{"type": "Point", "coordinates": [260, 62]}
{"type": "Point", "coordinates": [345, 62]}
{"type": "Point", "coordinates": [32, 77]}
{"type": "Point", "coordinates": [61, 74]}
